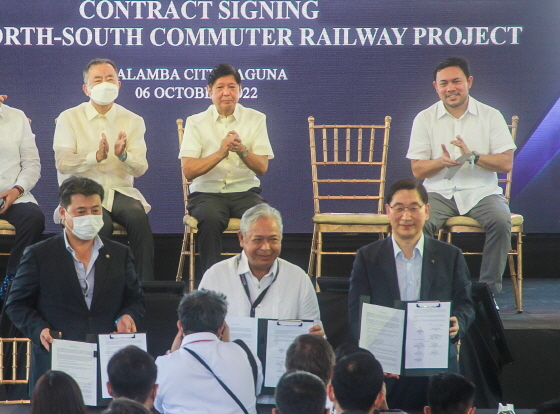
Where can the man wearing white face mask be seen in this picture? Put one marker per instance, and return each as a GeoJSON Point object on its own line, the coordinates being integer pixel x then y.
{"type": "Point", "coordinates": [103, 141]}
{"type": "Point", "coordinates": [76, 283]}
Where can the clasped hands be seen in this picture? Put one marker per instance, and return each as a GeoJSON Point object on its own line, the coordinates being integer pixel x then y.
{"type": "Point", "coordinates": [446, 160]}
{"type": "Point", "coordinates": [120, 146]}
{"type": "Point", "coordinates": [232, 143]}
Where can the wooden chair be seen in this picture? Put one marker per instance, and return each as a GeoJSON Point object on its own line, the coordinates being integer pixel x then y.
{"type": "Point", "coordinates": [462, 224]}
{"type": "Point", "coordinates": [344, 162]}
{"type": "Point", "coordinates": [191, 226]}
{"type": "Point", "coordinates": [9, 346]}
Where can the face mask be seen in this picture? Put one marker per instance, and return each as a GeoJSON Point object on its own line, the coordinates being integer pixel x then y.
{"type": "Point", "coordinates": [87, 227]}
{"type": "Point", "coordinates": [104, 93]}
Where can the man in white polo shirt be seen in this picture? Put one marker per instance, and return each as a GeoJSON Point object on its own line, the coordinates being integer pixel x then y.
{"type": "Point", "coordinates": [224, 149]}
{"type": "Point", "coordinates": [458, 145]}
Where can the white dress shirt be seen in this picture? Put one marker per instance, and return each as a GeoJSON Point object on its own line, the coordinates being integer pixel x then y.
{"type": "Point", "coordinates": [291, 296]}
{"type": "Point", "coordinates": [76, 141]}
{"type": "Point", "coordinates": [483, 129]}
{"type": "Point", "coordinates": [19, 157]}
{"type": "Point", "coordinates": [187, 387]}
{"type": "Point", "coordinates": [204, 133]}
{"type": "Point", "coordinates": [409, 271]}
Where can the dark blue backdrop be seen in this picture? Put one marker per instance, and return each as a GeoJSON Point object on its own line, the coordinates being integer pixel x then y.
{"type": "Point", "coordinates": [516, 72]}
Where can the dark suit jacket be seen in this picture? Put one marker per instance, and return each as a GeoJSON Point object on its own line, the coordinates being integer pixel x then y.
{"type": "Point", "coordinates": [46, 293]}
{"type": "Point", "coordinates": [445, 277]}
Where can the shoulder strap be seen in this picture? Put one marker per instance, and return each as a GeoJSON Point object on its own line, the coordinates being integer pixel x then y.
{"type": "Point", "coordinates": [224, 386]}
{"type": "Point", "coordinates": [251, 359]}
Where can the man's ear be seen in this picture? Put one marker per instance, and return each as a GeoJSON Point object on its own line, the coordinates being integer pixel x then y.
{"type": "Point", "coordinates": [330, 392]}
{"type": "Point", "coordinates": [85, 89]}
{"type": "Point", "coordinates": [240, 237]}
{"type": "Point", "coordinates": [154, 392]}
{"type": "Point", "coordinates": [380, 398]}
{"type": "Point", "coordinates": [180, 327]}
{"type": "Point", "coordinates": [471, 410]}
{"type": "Point", "coordinates": [275, 410]}
{"type": "Point", "coordinates": [109, 388]}
{"type": "Point", "coordinates": [427, 410]}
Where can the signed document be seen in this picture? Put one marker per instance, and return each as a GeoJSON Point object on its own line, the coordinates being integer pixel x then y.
{"type": "Point", "coordinates": [427, 335]}
{"type": "Point", "coordinates": [382, 333]}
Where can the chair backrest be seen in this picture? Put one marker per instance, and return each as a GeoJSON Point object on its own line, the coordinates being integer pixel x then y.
{"type": "Point", "coordinates": [506, 179]}
{"type": "Point", "coordinates": [180, 133]}
{"type": "Point", "coordinates": [348, 163]}
{"type": "Point", "coordinates": [9, 347]}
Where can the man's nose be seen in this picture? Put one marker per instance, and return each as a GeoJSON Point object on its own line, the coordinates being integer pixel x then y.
{"type": "Point", "coordinates": [407, 214]}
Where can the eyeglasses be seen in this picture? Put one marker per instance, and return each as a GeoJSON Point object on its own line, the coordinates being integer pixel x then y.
{"type": "Point", "coordinates": [412, 209]}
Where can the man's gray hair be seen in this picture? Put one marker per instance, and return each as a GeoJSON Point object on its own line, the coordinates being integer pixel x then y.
{"type": "Point", "coordinates": [257, 212]}
{"type": "Point", "coordinates": [98, 61]}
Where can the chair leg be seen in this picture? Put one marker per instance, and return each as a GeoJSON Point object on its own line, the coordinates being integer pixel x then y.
{"type": "Point", "coordinates": [520, 270]}
{"type": "Point", "coordinates": [313, 253]}
{"type": "Point", "coordinates": [191, 261]}
{"type": "Point", "coordinates": [319, 259]}
{"type": "Point", "coordinates": [179, 276]}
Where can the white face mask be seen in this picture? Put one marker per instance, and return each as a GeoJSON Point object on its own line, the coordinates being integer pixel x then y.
{"type": "Point", "coordinates": [104, 93]}
{"type": "Point", "coordinates": [87, 227]}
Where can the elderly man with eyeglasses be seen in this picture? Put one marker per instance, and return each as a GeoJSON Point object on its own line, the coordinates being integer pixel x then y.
{"type": "Point", "coordinates": [410, 267]}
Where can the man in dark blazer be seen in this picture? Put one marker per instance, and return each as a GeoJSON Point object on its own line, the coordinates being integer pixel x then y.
{"type": "Point", "coordinates": [75, 283]}
{"type": "Point", "coordinates": [408, 267]}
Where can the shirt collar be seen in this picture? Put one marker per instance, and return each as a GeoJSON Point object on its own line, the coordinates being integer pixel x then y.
{"type": "Point", "coordinates": [91, 112]}
{"type": "Point", "coordinates": [419, 246]}
{"type": "Point", "coordinates": [198, 336]}
{"type": "Point", "coordinates": [243, 266]}
{"type": "Point", "coordinates": [1, 111]}
{"type": "Point", "coordinates": [471, 108]}
{"type": "Point", "coordinates": [97, 243]}
{"type": "Point", "coordinates": [236, 112]}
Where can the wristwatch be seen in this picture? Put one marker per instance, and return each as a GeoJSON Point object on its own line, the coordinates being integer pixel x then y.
{"type": "Point", "coordinates": [243, 154]}
{"type": "Point", "coordinates": [476, 156]}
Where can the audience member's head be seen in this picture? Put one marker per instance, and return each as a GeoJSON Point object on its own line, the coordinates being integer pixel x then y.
{"type": "Point", "coordinates": [202, 311]}
{"type": "Point", "coordinates": [450, 394]}
{"type": "Point", "coordinates": [357, 383]}
{"type": "Point", "coordinates": [125, 406]}
{"type": "Point", "coordinates": [311, 353]}
{"type": "Point", "coordinates": [549, 407]}
{"type": "Point", "coordinates": [132, 374]}
{"type": "Point", "coordinates": [300, 392]}
{"type": "Point", "coordinates": [347, 349]}
{"type": "Point", "coordinates": [57, 393]}
{"type": "Point", "coordinates": [78, 185]}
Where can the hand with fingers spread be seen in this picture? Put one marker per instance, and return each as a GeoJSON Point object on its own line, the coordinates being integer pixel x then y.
{"type": "Point", "coordinates": [446, 159]}
{"type": "Point", "coordinates": [458, 142]}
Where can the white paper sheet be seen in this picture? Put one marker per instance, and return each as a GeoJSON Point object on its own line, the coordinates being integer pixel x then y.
{"type": "Point", "coordinates": [427, 335]}
{"type": "Point", "coordinates": [280, 335]}
{"type": "Point", "coordinates": [109, 345]}
{"type": "Point", "coordinates": [244, 328]}
{"type": "Point", "coordinates": [382, 332]}
{"type": "Point", "coordinates": [77, 359]}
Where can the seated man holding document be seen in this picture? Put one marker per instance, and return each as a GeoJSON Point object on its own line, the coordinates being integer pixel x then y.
{"type": "Point", "coordinates": [257, 283]}
{"type": "Point", "coordinates": [410, 267]}
{"type": "Point", "coordinates": [76, 283]}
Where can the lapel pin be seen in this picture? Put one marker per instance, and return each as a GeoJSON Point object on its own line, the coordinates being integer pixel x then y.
{"type": "Point", "coordinates": [433, 261]}
{"type": "Point", "coordinates": [107, 256]}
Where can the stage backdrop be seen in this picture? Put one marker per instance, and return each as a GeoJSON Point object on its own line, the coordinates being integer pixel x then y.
{"type": "Point", "coordinates": [351, 61]}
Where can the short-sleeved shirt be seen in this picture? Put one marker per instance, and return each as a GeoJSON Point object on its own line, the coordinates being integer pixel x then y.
{"type": "Point", "coordinates": [203, 135]}
{"type": "Point", "coordinates": [483, 129]}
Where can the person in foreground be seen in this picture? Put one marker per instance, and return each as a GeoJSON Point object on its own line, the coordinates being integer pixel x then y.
{"type": "Point", "coordinates": [125, 406]}
{"type": "Point", "coordinates": [258, 283]}
{"type": "Point", "coordinates": [460, 126]}
{"type": "Point", "coordinates": [300, 392]}
{"type": "Point", "coordinates": [132, 374]}
{"type": "Point", "coordinates": [204, 372]}
{"type": "Point", "coordinates": [223, 150]}
{"type": "Point", "coordinates": [409, 267]}
{"type": "Point", "coordinates": [450, 394]}
{"type": "Point", "coordinates": [57, 393]}
{"type": "Point", "coordinates": [103, 141]}
{"type": "Point", "coordinates": [20, 169]}
{"type": "Point", "coordinates": [357, 385]}
{"type": "Point", "coordinates": [76, 283]}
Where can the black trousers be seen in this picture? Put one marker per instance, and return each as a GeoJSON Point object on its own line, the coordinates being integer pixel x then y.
{"type": "Point", "coordinates": [213, 211]}
{"type": "Point", "coordinates": [29, 221]}
{"type": "Point", "coordinates": [130, 213]}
